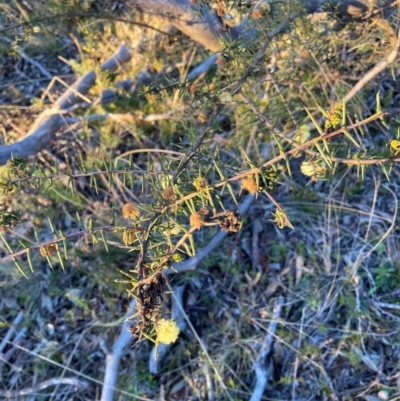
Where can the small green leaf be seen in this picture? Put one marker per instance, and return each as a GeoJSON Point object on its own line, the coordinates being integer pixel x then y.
{"type": "Point", "coordinates": [315, 122]}
{"type": "Point", "coordinates": [347, 133]}
{"type": "Point", "coordinates": [104, 240]}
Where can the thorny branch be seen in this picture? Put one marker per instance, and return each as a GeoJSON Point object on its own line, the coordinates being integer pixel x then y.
{"type": "Point", "coordinates": [256, 170]}
{"type": "Point", "coordinates": [146, 236]}
{"type": "Point", "coordinates": [64, 237]}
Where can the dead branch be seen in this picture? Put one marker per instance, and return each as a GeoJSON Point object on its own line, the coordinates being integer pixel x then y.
{"type": "Point", "coordinates": [384, 63]}
{"type": "Point", "coordinates": [128, 117]}
{"type": "Point", "coordinates": [43, 385]}
{"type": "Point", "coordinates": [198, 23]}
{"type": "Point", "coordinates": [261, 366]}
{"type": "Point", "coordinates": [50, 121]}
{"type": "Point", "coordinates": [11, 331]}
{"type": "Point", "coordinates": [114, 356]}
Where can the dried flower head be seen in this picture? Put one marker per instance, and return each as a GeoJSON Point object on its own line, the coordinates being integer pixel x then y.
{"type": "Point", "coordinates": [200, 183]}
{"type": "Point", "coordinates": [47, 250]}
{"type": "Point", "coordinates": [130, 210]}
{"type": "Point", "coordinates": [128, 237]}
{"type": "Point", "coordinates": [257, 14]}
{"type": "Point", "coordinates": [281, 219]}
{"type": "Point", "coordinates": [168, 194]}
{"type": "Point", "coordinates": [196, 220]}
{"type": "Point", "coordinates": [192, 88]}
{"type": "Point", "coordinates": [231, 221]}
{"type": "Point", "coordinates": [167, 331]}
{"type": "Point", "coordinates": [249, 183]}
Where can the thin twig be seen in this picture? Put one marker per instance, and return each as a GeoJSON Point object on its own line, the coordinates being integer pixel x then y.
{"type": "Point", "coordinates": [43, 385]}
{"type": "Point", "coordinates": [129, 117]}
{"type": "Point", "coordinates": [386, 305]}
{"type": "Point", "coordinates": [34, 62]}
{"type": "Point", "coordinates": [261, 367]}
{"type": "Point", "coordinates": [286, 138]}
{"type": "Point", "coordinates": [195, 146]}
{"type": "Point", "coordinates": [8, 355]}
{"type": "Point", "coordinates": [209, 382]}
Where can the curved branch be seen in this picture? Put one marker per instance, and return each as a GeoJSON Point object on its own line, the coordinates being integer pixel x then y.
{"type": "Point", "coordinates": [198, 23]}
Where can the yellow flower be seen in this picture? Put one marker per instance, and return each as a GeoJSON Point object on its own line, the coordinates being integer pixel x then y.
{"type": "Point", "coordinates": [315, 169]}
{"type": "Point", "coordinates": [130, 210]}
{"type": "Point", "coordinates": [334, 117]}
{"type": "Point", "coordinates": [395, 145]}
{"type": "Point", "coordinates": [281, 219]}
{"type": "Point", "coordinates": [250, 184]}
{"type": "Point", "coordinates": [167, 331]}
{"type": "Point", "coordinates": [308, 168]}
{"type": "Point", "coordinates": [177, 257]}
